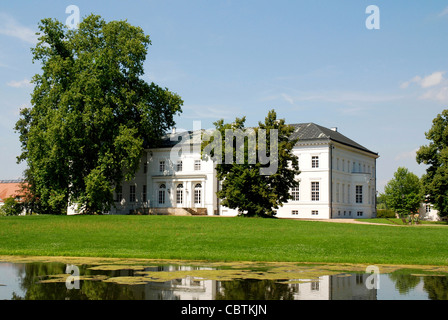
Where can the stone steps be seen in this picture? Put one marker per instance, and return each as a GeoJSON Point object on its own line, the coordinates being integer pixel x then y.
{"type": "Point", "coordinates": [178, 211]}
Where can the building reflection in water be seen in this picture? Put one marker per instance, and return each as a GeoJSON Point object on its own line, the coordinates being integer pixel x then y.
{"type": "Point", "coordinates": [29, 281]}
{"type": "Point", "coordinates": [188, 288]}
{"type": "Point", "coordinates": [331, 287]}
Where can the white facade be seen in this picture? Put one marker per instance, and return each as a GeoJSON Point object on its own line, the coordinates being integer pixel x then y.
{"type": "Point", "coordinates": [164, 184]}
{"type": "Point", "coordinates": [337, 180]}
{"type": "Point", "coordinates": [351, 193]}
{"type": "Point", "coordinates": [427, 212]}
{"type": "Point", "coordinates": [335, 287]}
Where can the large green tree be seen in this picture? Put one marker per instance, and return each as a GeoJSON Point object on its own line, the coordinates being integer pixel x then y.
{"type": "Point", "coordinates": [435, 156]}
{"type": "Point", "coordinates": [256, 166]}
{"type": "Point", "coordinates": [403, 193]}
{"type": "Point", "coordinates": [91, 114]}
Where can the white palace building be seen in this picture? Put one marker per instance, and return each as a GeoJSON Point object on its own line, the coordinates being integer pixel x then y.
{"type": "Point", "coordinates": [337, 180]}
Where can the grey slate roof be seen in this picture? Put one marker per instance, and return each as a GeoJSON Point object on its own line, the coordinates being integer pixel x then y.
{"type": "Point", "coordinates": [312, 131]}
{"type": "Point", "coordinates": [304, 131]}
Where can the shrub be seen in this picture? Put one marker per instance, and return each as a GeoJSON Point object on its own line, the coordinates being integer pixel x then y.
{"type": "Point", "coordinates": [10, 208]}
{"type": "Point", "coordinates": [385, 213]}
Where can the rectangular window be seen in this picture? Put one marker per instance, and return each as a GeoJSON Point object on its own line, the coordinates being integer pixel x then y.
{"type": "Point", "coordinates": [315, 191]}
{"type": "Point", "coordinates": [337, 192]}
{"type": "Point", "coordinates": [314, 212]}
{"type": "Point", "coordinates": [314, 162]}
{"type": "Point", "coordinates": [358, 194]}
{"type": "Point", "coordinates": [118, 194]}
{"type": "Point", "coordinates": [144, 195]}
{"type": "Point", "coordinates": [197, 165]}
{"type": "Point", "coordinates": [162, 166]}
{"type": "Point", "coordinates": [428, 208]}
{"type": "Point", "coordinates": [131, 193]}
{"type": "Point", "coordinates": [295, 212]}
{"type": "Point", "coordinates": [295, 194]}
{"type": "Point", "coordinates": [359, 213]}
{"type": "Point", "coordinates": [179, 166]}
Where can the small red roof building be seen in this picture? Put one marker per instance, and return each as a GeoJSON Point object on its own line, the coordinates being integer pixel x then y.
{"type": "Point", "coordinates": [10, 189]}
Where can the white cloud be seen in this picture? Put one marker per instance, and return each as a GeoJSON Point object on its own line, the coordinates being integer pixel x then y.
{"type": "Point", "coordinates": [406, 84]}
{"type": "Point", "coordinates": [438, 94]}
{"type": "Point", "coordinates": [435, 83]}
{"type": "Point", "coordinates": [20, 84]}
{"type": "Point", "coordinates": [432, 80]}
{"type": "Point", "coordinates": [10, 27]}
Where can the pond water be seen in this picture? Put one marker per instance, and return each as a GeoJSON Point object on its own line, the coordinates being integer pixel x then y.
{"type": "Point", "coordinates": [28, 279]}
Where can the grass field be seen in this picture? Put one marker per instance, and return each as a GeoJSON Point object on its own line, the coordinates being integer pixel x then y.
{"type": "Point", "coordinates": [395, 221]}
{"type": "Point", "coordinates": [222, 239]}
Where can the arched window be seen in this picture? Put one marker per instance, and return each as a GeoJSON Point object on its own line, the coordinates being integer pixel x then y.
{"type": "Point", "coordinates": [198, 193]}
{"type": "Point", "coordinates": [179, 193]}
{"type": "Point", "coordinates": [162, 189]}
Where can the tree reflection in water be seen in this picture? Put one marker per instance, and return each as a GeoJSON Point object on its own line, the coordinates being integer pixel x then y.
{"type": "Point", "coordinates": [437, 287]}
{"type": "Point", "coordinates": [404, 282]}
{"type": "Point", "coordinates": [32, 273]}
{"type": "Point", "coordinates": [255, 290]}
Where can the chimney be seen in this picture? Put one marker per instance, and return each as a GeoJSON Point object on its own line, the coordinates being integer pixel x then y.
{"type": "Point", "coordinates": [173, 131]}
{"type": "Point", "coordinates": [335, 129]}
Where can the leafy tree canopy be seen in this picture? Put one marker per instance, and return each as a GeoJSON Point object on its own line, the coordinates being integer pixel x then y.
{"type": "Point", "coordinates": [92, 113]}
{"type": "Point", "coordinates": [10, 207]}
{"type": "Point", "coordinates": [435, 156]}
{"type": "Point", "coordinates": [403, 193]}
{"type": "Point", "coordinates": [260, 181]}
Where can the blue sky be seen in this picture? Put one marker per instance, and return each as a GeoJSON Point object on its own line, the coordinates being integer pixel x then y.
{"type": "Point", "coordinates": [311, 61]}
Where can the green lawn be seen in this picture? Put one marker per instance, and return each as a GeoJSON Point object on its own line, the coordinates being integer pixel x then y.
{"type": "Point", "coordinates": [222, 239]}
{"type": "Point", "coordinates": [400, 221]}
